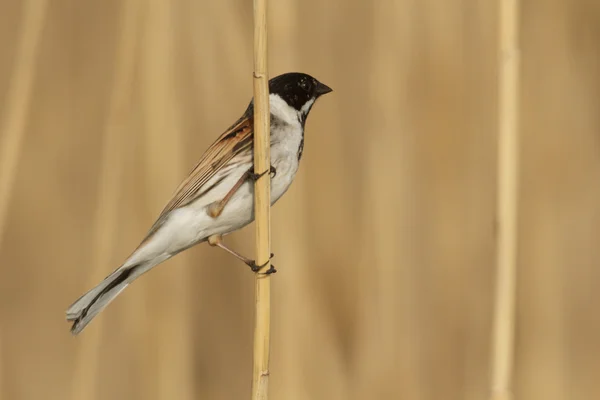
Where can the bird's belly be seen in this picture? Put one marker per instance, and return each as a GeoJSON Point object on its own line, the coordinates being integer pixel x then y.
{"type": "Point", "coordinates": [191, 224]}
{"type": "Point", "coordinates": [239, 211]}
{"type": "Point", "coordinates": [285, 172]}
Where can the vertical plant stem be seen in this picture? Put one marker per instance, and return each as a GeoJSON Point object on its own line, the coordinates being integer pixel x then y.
{"type": "Point", "coordinates": [168, 328]}
{"type": "Point", "coordinates": [15, 113]}
{"type": "Point", "coordinates": [1, 367]}
{"type": "Point", "coordinates": [18, 99]}
{"type": "Point", "coordinates": [87, 362]}
{"type": "Point", "coordinates": [508, 152]}
{"type": "Point", "coordinates": [262, 204]}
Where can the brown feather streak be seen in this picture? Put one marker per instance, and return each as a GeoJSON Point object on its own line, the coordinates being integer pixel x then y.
{"type": "Point", "coordinates": [235, 140]}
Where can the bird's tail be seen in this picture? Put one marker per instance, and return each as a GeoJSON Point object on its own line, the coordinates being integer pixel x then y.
{"type": "Point", "coordinates": [90, 304]}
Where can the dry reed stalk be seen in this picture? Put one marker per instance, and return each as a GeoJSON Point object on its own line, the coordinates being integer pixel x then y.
{"type": "Point", "coordinates": [15, 113]}
{"type": "Point", "coordinates": [18, 100]}
{"type": "Point", "coordinates": [1, 369]}
{"type": "Point", "coordinates": [508, 149]}
{"type": "Point", "coordinates": [167, 370]}
{"type": "Point", "coordinates": [262, 205]}
{"type": "Point", "coordinates": [86, 366]}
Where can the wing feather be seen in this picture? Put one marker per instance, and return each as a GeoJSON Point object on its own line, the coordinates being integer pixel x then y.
{"type": "Point", "coordinates": [235, 140]}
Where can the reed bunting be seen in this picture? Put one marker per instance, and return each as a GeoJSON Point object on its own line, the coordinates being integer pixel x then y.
{"type": "Point", "coordinates": [217, 197]}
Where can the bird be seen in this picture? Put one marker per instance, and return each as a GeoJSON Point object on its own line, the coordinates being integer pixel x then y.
{"type": "Point", "coordinates": [217, 197]}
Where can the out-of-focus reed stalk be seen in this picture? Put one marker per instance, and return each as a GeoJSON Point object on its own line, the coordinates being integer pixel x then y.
{"type": "Point", "coordinates": [508, 157]}
{"type": "Point", "coordinates": [168, 369]}
{"type": "Point", "coordinates": [18, 99]}
{"type": "Point", "coordinates": [15, 112]}
{"type": "Point", "coordinates": [86, 366]}
{"type": "Point", "coordinates": [262, 205]}
{"type": "Point", "coordinates": [1, 370]}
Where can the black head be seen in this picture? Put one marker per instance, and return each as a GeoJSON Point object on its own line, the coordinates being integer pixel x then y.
{"type": "Point", "coordinates": [298, 89]}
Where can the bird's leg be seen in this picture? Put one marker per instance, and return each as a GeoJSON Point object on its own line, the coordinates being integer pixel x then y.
{"type": "Point", "coordinates": [217, 240]}
{"type": "Point", "coordinates": [216, 208]}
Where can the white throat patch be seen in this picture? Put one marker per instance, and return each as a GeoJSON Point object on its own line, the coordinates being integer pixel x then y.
{"type": "Point", "coordinates": [283, 111]}
{"type": "Point", "coordinates": [306, 108]}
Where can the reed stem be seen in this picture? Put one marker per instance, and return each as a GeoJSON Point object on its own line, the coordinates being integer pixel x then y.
{"type": "Point", "coordinates": [507, 191]}
{"type": "Point", "coordinates": [18, 101]}
{"type": "Point", "coordinates": [84, 382]}
{"type": "Point", "coordinates": [262, 205]}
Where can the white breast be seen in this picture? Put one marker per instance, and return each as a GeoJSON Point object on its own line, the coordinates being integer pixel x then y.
{"type": "Point", "coordinates": [286, 136]}
{"type": "Point", "coordinates": [191, 224]}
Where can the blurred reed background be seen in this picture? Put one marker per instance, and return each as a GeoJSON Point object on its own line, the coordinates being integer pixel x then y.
{"type": "Point", "coordinates": [385, 242]}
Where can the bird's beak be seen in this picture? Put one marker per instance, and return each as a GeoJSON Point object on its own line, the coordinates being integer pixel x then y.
{"type": "Point", "coordinates": [322, 89]}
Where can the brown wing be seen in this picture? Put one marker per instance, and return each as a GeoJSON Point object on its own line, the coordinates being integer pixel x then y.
{"type": "Point", "coordinates": [238, 138]}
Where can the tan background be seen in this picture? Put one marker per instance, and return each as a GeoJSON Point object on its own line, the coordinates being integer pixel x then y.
{"type": "Point", "coordinates": [385, 242]}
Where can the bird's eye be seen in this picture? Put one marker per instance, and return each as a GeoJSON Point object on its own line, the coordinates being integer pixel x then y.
{"type": "Point", "coordinates": [303, 84]}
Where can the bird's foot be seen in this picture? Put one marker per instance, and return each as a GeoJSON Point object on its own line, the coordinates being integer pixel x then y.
{"type": "Point", "coordinates": [256, 268]}
{"type": "Point", "coordinates": [254, 176]}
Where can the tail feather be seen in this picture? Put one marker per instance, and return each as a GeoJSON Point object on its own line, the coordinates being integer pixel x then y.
{"type": "Point", "coordinates": [90, 304]}
{"type": "Point", "coordinates": [94, 301]}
